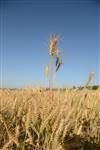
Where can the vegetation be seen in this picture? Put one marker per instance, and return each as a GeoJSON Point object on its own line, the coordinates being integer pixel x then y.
{"type": "Point", "coordinates": [55, 61]}
{"type": "Point", "coordinates": [30, 120]}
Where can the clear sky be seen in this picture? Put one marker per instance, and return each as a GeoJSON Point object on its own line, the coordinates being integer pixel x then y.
{"type": "Point", "coordinates": [25, 29]}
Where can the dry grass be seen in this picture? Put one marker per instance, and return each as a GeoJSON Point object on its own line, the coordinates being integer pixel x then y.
{"type": "Point", "coordinates": [30, 120]}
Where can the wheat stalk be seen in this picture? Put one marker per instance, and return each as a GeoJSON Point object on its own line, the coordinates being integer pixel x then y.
{"type": "Point", "coordinates": [90, 77]}
{"type": "Point", "coordinates": [46, 71]}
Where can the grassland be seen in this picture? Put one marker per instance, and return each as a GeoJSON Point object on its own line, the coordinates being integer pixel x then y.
{"type": "Point", "coordinates": [34, 119]}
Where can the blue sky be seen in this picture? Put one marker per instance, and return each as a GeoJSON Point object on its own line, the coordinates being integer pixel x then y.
{"type": "Point", "coordinates": [25, 28]}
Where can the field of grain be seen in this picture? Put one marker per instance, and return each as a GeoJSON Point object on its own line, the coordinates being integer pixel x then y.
{"type": "Point", "coordinates": [35, 119]}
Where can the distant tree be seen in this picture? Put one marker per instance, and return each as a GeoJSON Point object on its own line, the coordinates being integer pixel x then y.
{"type": "Point", "coordinates": [74, 87]}
{"type": "Point", "coordinates": [95, 87]}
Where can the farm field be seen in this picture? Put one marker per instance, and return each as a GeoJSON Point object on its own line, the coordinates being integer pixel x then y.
{"type": "Point", "coordinates": [37, 119]}
{"type": "Point", "coordinates": [49, 75]}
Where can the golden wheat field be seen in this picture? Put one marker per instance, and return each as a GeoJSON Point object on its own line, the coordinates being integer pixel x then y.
{"type": "Point", "coordinates": [35, 119]}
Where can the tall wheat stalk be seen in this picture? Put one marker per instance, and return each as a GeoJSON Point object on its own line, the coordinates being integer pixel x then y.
{"type": "Point", "coordinates": [52, 48]}
{"type": "Point", "coordinates": [53, 67]}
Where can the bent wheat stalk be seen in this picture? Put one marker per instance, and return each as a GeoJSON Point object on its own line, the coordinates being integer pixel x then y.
{"type": "Point", "coordinates": [90, 77]}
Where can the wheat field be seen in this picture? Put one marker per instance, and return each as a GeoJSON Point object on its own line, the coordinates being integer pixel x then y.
{"type": "Point", "coordinates": [35, 119]}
